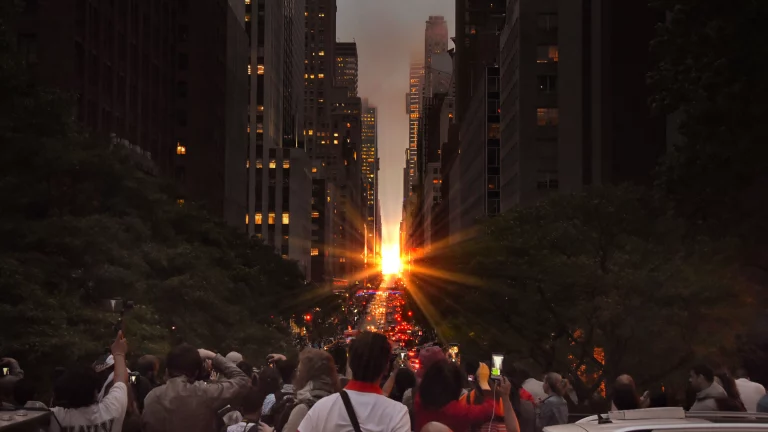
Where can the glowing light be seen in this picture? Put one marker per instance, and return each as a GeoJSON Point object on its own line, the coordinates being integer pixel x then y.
{"type": "Point", "coordinates": [390, 259]}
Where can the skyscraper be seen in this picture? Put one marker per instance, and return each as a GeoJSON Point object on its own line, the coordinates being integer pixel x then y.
{"type": "Point", "coordinates": [167, 79]}
{"type": "Point", "coordinates": [346, 66]}
{"type": "Point", "coordinates": [279, 180]}
{"type": "Point", "coordinates": [437, 61]}
{"type": "Point", "coordinates": [413, 109]}
{"type": "Point", "coordinates": [370, 174]}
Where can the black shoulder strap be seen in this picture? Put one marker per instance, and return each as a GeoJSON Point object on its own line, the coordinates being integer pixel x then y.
{"type": "Point", "coordinates": [350, 411]}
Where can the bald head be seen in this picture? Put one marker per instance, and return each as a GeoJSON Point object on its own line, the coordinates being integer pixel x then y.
{"type": "Point", "coordinates": [553, 383]}
{"type": "Point", "coordinates": [435, 427]}
{"type": "Point", "coordinates": [625, 380]}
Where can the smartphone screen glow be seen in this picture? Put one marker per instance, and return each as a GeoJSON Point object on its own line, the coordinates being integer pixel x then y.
{"type": "Point", "coordinates": [496, 369]}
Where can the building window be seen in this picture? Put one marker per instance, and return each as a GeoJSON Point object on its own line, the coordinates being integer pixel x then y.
{"type": "Point", "coordinates": [547, 21]}
{"type": "Point", "coordinates": [321, 53]}
{"type": "Point", "coordinates": [180, 149]}
{"type": "Point", "coordinates": [286, 163]}
{"type": "Point", "coordinates": [260, 69]}
{"type": "Point", "coordinates": [342, 259]}
{"type": "Point", "coordinates": [286, 218]}
{"type": "Point", "coordinates": [273, 163]}
{"type": "Point", "coordinates": [314, 169]}
{"type": "Point", "coordinates": [314, 252]}
{"type": "Point", "coordinates": [247, 2]}
{"type": "Point", "coordinates": [321, 76]}
{"type": "Point", "coordinates": [259, 163]}
{"type": "Point", "coordinates": [247, 17]}
{"type": "Point", "coordinates": [258, 219]}
{"type": "Point", "coordinates": [249, 69]}
{"type": "Point", "coordinates": [547, 83]}
{"type": "Point", "coordinates": [493, 182]}
{"type": "Point", "coordinates": [494, 131]}
{"type": "Point", "coordinates": [547, 116]}
{"type": "Point", "coordinates": [271, 218]}
{"type": "Point", "coordinates": [180, 202]}
{"type": "Point", "coordinates": [335, 141]}
{"type": "Point", "coordinates": [547, 54]}
{"type": "Point", "coordinates": [315, 214]}
{"type": "Point", "coordinates": [246, 218]}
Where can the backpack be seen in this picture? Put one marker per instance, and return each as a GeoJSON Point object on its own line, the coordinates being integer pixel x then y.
{"type": "Point", "coordinates": [283, 412]}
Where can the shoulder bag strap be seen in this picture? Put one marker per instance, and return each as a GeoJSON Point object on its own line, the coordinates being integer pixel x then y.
{"type": "Point", "coordinates": [350, 411]}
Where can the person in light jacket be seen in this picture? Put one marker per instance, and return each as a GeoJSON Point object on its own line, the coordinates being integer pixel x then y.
{"type": "Point", "coordinates": [553, 410]}
{"type": "Point", "coordinates": [702, 380]}
{"type": "Point", "coordinates": [186, 405]}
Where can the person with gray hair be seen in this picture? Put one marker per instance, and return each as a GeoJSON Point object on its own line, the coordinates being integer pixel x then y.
{"type": "Point", "coordinates": [553, 410]}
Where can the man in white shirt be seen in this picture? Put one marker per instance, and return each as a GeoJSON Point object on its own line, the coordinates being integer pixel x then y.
{"type": "Point", "coordinates": [76, 397]}
{"type": "Point", "coordinates": [750, 392]}
{"type": "Point", "coordinates": [369, 356]}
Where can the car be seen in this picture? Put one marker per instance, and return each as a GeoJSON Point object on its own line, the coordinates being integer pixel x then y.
{"type": "Point", "coordinates": [667, 419]}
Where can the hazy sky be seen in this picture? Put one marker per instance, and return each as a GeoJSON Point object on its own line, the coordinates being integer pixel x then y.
{"type": "Point", "coordinates": [389, 34]}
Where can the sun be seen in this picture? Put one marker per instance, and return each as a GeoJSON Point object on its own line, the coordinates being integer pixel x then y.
{"type": "Point", "coordinates": [390, 260]}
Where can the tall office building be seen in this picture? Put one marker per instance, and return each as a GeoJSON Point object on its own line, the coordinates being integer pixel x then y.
{"type": "Point", "coordinates": [437, 61]}
{"type": "Point", "coordinates": [333, 128]}
{"type": "Point", "coordinates": [370, 174]}
{"type": "Point", "coordinates": [413, 109]}
{"type": "Point", "coordinates": [279, 189]}
{"type": "Point", "coordinates": [165, 78]}
{"type": "Point", "coordinates": [346, 66]}
{"type": "Point", "coordinates": [581, 118]}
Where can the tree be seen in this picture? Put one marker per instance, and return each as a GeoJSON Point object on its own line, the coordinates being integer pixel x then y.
{"type": "Point", "coordinates": [711, 79]}
{"type": "Point", "coordinates": [84, 221]}
{"type": "Point", "coordinates": [594, 284]}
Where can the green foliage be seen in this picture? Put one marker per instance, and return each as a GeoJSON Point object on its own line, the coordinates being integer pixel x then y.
{"type": "Point", "coordinates": [711, 78]}
{"type": "Point", "coordinates": [81, 223]}
{"type": "Point", "coordinates": [610, 269]}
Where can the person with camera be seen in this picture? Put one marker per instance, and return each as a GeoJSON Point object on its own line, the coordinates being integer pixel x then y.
{"type": "Point", "coordinates": [77, 404]}
{"type": "Point", "coordinates": [186, 404]}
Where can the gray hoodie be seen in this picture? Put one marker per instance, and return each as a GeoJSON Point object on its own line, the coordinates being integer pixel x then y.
{"type": "Point", "coordinates": [705, 399]}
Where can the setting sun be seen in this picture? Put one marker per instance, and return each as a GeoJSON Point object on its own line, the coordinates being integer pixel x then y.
{"type": "Point", "coordinates": [390, 259]}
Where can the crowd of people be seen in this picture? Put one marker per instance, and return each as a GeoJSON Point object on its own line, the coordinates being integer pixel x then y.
{"type": "Point", "coordinates": [360, 387]}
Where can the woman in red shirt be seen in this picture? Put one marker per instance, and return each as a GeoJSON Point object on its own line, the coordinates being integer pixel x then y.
{"type": "Point", "coordinates": [437, 400]}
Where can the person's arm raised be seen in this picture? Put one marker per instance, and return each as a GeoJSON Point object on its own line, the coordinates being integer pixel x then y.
{"type": "Point", "coordinates": [234, 384]}
{"type": "Point", "coordinates": [510, 417]}
{"type": "Point", "coordinates": [119, 350]}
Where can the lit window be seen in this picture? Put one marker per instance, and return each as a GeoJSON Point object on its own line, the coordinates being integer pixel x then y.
{"type": "Point", "coordinates": [180, 201]}
{"type": "Point", "coordinates": [306, 76]}
{"type": "Point", "coordinates": [247, 163]}
{"type": "Point", "coordinates": [354, 155]}
{"type": "Point", "coordinates": [311, 76]}
{"type": "Point", "coordinates": [547, 53]}
{"type": "Point", "coordinates": [285, 256]}
{"type": "Point", "coordinates": [260, 107]}
{"type": "Point", "coordinates": [335, 141]}
{"type": "Point", "coordinates": [259, 164]}
{"type": "Point", "coordinates": [342, 259]}
{"type": "Point", "coordinates": [247, 2]}
{"type": "Point", "coordinates": [310, 132]}
{"type": "Point", "coordinates": [321, 14]}
{"type": "Point", "coordinates": [286, 218]}
{"type": "Point", "coordinates": [315, 214]}
{"type": "Point", "coordinates": [349, 125]}
{"type": "Point", "coordinates": [306, 13]}
{"type": "Point", "coordinates": [246, 218]}
{"type": "Point", "coordinates": [286, 164]}
{"type": "Point", "coordinates": [180, 149]}
{"type": "Point", "coordinates": [335, 134]}
{"type": "Point", "coordinates": [314, 252]}
{"type": "Point", "coordinates": [321, 76]}
{"type": "Point", "coordinates": [247, 17]}
{"type": "Point", "coordinates": [258, 219]}
{"type": "Point", "coordinates": [314, 169]}
{"type": "Point", "coordinates": [547, 116]}
{"type": "Point", "coordinates": [249, 69]}
{"type": "Point", "coordinates": [271, 218]}
{"type": "Point", "coordinates": [321, 53]}
{"type": "Point", "coordinates": [260, 69]}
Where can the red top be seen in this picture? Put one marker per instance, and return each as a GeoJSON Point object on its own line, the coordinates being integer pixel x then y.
{"type": "Point", "coordinates": [456, 415]}
{"type": "Point", "coordinates": [525, 395]}
{"type": "Point", "coordinates": [363, 387]}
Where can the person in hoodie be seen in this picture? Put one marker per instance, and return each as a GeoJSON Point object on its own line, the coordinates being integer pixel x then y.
{"type": "Point", "coordinates": [184, 404]}
{"type": "Point", "coordinates": [702, 380]}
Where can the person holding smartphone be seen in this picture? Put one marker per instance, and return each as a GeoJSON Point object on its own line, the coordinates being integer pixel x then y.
{"type": "Point", "coordinates": [75, 395]}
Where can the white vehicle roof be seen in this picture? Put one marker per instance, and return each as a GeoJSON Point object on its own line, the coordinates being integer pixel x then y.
{"type": "Point", "coordinates": [661, 419]}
